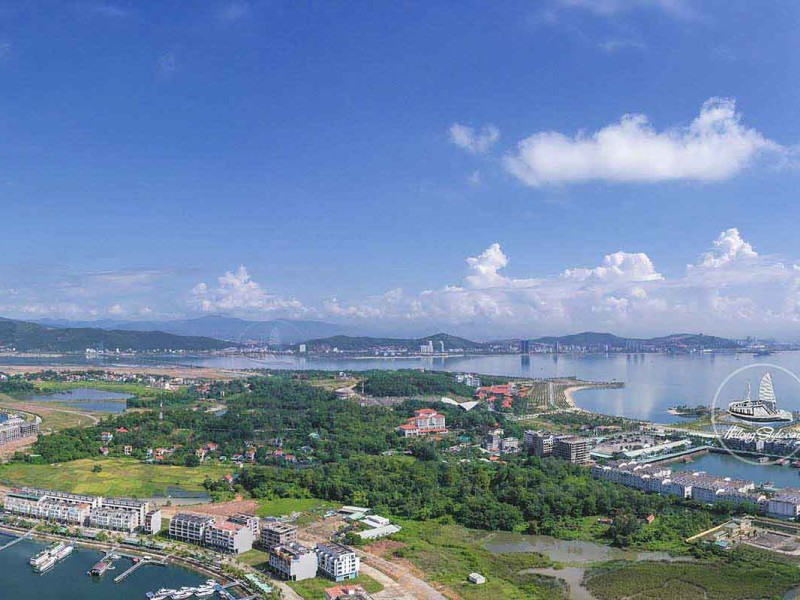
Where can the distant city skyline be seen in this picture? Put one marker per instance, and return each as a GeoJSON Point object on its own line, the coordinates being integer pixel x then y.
{"type": "Point", "coordinates": [505, 169]}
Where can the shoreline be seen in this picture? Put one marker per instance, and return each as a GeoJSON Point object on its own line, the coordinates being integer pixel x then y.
{"type": "Point", "coordinates": [172, 559]}
{"type": "Point", "coordinates": [570, 399]}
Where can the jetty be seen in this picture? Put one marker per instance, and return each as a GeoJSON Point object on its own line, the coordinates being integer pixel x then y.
{"type": "Point", "coordinates": [18, 539]}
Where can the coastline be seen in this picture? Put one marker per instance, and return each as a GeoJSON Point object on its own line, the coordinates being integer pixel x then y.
{"type": "Point", "coordinates": [569, 396]}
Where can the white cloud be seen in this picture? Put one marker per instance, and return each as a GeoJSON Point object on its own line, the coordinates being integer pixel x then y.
{"type": "Point", "coordinates": [728, 248]}
{"type": "Point", "coordinates": [486, 267]}
{"type": "Point", "coordinates": [471, 140]}
{"type": "Point", "coordinates": [620, 266]}
{"type": "Point", "coordinates": [617, 45]}
{"type": "Point", "coordinates": [730, 289]}
{"type": "Point", "coordinates": [678, 8]}
{"type": "Point", "coordinates": [235, 11]}
{"type": "Point", "coordinates": [713, 147]}
{"type": "Point", "coordinates": [237, 292]}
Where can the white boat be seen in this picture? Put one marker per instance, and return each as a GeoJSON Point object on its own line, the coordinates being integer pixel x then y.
{"type": "Point", "coordinates": [763, 410]}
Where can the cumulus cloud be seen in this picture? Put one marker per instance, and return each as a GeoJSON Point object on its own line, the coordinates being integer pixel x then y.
{"type": "Point", "coordinates": [729, 289]}
{"type": "Point", "coordinates": [237, 292]}
{"type": "Point", "coordinates": [727, 249]}
{"type": "Point", "coordinates": [715, 146]}
{"type": "Point", "coordinates": [485, 268]}
{"type": "Point", "coordinates": [619, 266]}
{"type": "Point", "coordinates": [471, 140]}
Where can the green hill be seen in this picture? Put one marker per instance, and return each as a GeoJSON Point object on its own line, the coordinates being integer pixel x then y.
{"type": "Point", "coordinates": [28, 337]}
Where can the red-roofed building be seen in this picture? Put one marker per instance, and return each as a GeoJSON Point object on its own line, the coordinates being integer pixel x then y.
{"type": "Point", "coordinates": [424, 422]}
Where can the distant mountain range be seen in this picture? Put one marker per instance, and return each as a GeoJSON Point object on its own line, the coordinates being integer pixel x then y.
{"type": "Point", "coordinates": [347, 343]}
{"type": "Point", "coordinates": [275, 332]}
{"type": "Point", "coordinates": [28, 337]}
{"type": "Point", "coordinates": [589, 339]}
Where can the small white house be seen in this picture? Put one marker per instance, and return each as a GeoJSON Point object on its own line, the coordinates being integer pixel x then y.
{"type": "Point", "coordinates": [476, 578]}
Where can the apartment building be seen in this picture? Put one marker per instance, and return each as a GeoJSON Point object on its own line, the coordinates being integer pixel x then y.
{"type": "Point", "coordinates": [138, 508]}
{"type": "Point", "coordinates": [575, 450]}
{"type": "Point", "coordinates": [189, 527]}
{"type": "Point", "coordinates": [785, 504]}
{"type": "Point", "coordinates": [275, 533]}
{"type": "Point", "coordinates": [337, 561]}
{"type": "Point", "coordinates": [228, 537]}
{"type": "Point", "coordinates": [114, 518]}
{"type": "Point", "coordinates": [539, 443]}
{"type": "Point", "coordinates": [293, 562]}
{"type": "Point", "coordinates": [15, 428]}
{"type": "Point", "coordinates": [152, 521]}
{"type": "Point", "coordinates": [252, 522]}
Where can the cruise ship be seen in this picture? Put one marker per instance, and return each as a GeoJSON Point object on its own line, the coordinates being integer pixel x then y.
{"type": "Point", "coordinates": [47, 558]}
{"type": "Point", "coordinates": [764, 409]}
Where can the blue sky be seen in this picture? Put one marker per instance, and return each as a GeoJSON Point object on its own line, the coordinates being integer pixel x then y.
{"type": "Point", "coordinates": [342, 161]}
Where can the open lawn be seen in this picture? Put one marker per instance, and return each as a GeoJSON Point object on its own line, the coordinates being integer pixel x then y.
{"type": "Point", "coordinates": [313, 589]}
{"type": "Point", "coordinates": [280, 507]}
{"type": "Point", "coordinates": [447, 554]}
{"type": "Point", "coordinates": [118, 477]}
{"type": "Point", "coordinates": [254, 558]}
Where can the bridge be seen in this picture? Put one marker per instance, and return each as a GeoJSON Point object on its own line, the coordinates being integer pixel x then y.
{"type": "Point", "coordinates": [18, 539]}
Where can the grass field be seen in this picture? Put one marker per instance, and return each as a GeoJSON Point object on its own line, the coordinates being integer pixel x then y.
{"type": "Point", "coordinates": [118, 477]}
{"type": "Point", "coordinates": [285, 506]}
{"type": "Point", "coordinates": [732, 578]}
{"type": "Point", "coordinates": [313, 589]}
{"type": "Point", "coordinates": [446, 554]}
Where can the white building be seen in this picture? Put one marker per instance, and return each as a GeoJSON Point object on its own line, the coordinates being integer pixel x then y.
{"type": "Point", "coordinates": [293, 562]}
{"type": "Point", "coordinates": [231, 538]}
{"type": "Point", "coordinates": [152, 521]}
{"type": "Point", "coordinates": [275, 533]}
{"type": "Point", "coordinates": [785, 504]}
{"type": "Point", "coordinates": [189, 527]}
{"type": "Point", "coordinates": [337, 561]}
{"type": "Point", "coordinates": [113, 518]}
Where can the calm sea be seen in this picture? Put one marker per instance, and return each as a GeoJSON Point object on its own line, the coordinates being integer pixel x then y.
{"type": "Point", "coordinates": [68, 579]}
{"type": "Point", "coordinates": [653, 382]}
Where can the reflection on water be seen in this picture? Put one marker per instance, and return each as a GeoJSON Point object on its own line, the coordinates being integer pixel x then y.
{"type": "Point", "coordinates": [68, 581]}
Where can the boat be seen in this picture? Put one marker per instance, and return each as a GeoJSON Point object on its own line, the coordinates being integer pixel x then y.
{"type": "Point", "coordinates": [184, 592]}
{"type": "Point", "coordinates": [161, 594]}
{"type": "Point", "coordinates": [764, 409]}
{"type": "Point", "coordinates": [100, 568]}
{"type": "Point", "coordinates": [44, 555]}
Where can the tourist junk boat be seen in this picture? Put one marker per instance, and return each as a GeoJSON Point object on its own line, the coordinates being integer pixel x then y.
{"type": "Point", "coordinates": [764, 409]}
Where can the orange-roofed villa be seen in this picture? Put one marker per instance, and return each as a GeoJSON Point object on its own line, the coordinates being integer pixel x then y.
{"type": "Point", "coordinates": [425, 421]}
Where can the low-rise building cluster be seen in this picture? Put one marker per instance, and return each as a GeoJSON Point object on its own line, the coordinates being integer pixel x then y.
{"type": "Point", "coordinates": [119, 514]}
{"type": "Point", "coordinates": [699, 486]}
{"type": "Point", "coordinates": [14, 427]}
